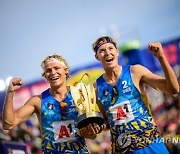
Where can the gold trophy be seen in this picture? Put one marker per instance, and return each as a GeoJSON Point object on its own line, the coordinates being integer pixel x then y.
{"type": "Point", "coordinates": [85, 100]}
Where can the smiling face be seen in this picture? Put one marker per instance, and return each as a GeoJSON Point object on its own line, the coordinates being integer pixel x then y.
{"type": "Point", "coordinates": [107, 54]}
{"type": "Point", "coordinates": [55, 70]}
{"type": "Point", "coordinates": [55, 74]}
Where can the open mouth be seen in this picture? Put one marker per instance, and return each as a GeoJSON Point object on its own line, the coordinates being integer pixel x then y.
{"type": "Point", "coordinates": [54, 78]}
{"type": "Point", "coordinates": [108, 60]}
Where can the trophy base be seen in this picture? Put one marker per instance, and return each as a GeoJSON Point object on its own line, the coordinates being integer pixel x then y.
{"type": "Point", "coordinates": [90, 117]}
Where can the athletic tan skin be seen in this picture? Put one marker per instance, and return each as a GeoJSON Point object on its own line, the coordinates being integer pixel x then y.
{"type": "Point", "coordinates": [140, 74]}
{"type": "Point", "coordinates": [56, 74]}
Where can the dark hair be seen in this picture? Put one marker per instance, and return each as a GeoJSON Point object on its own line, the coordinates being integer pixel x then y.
{"type": "Point", "coordinates": [102, 40]}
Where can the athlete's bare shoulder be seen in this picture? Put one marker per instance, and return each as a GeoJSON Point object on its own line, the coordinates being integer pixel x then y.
{"type": "Point", "coordinates": [136, 70]}
{"type": "Point", "coordinates": [35, 101]}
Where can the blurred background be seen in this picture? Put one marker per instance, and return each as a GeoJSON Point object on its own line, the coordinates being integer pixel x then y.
{"type": "Point", "coordinates": [32, 30]}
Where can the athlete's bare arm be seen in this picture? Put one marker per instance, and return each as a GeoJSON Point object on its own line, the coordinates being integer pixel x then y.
{"type": "Point", "coordinates": [12, 118]}
{"type": "Point", "coordinates": [167, 84]}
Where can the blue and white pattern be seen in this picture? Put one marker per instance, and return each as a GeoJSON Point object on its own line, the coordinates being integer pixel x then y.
{"type": "Point", "coordinates": [59, 127]}
{"type": "Point", "coordinates": [128, 114]}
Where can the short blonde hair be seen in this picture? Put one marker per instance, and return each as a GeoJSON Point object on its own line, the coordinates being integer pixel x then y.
{"type": "Point", "coordinates": [60, 59]}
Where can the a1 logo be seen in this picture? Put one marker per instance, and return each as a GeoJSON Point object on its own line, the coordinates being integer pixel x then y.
{"type": "Point", "coordinates": [64, 131]}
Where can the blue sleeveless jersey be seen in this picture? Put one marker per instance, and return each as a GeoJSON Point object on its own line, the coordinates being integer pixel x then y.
{"type": "Point", "coordinates": [130, 120]}
{"type": "Point", "coordinates": [59, 127]}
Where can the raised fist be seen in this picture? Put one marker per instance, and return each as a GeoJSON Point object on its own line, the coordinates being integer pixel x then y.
{"type": "Point", "coordinates": [156, 49]}
{"type": "Point", "coordinates": [15, 84]}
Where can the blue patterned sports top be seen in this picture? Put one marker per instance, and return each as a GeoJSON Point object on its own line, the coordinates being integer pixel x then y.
{"type": "Point", "coordinates": [59, 126]}
{"type": "Point", "coordinates": [130, 120]}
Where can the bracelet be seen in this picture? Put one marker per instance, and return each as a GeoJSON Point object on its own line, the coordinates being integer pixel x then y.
{"type": "Point", "coordinates": [8, 122]}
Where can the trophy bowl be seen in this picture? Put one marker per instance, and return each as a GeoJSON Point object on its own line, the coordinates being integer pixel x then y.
{"type": "Point", "coordinates": [84, 97]}
{"type": "Point", "coordinates": [87, 118]}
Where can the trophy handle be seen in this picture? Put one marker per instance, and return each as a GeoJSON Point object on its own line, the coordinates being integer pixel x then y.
{"type": "Point", "coordinates": [90, 82]}
{"type": "Point", "coordinates": [85, 100]}
{"type": "Point", "coordinates": [86, 74]}
{"type": "Point", "coordinates": [91, 92]}
{"type": "Point", "coordinates": [89, 78]}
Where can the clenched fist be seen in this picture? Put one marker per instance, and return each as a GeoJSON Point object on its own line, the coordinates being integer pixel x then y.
{"type": "Point", "coordinates": [156, 49]}
{"type": "Point", "coordinates": [15, 84]}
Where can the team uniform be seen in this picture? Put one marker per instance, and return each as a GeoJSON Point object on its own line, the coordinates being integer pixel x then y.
{"type": "Point", "coordinates": [131, 125]}
{"type": "Point", "coordinates": [59, 127]}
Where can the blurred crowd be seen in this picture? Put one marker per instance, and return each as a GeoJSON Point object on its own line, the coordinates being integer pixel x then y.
{"type": "Point", "coordinates": [165, 110]}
